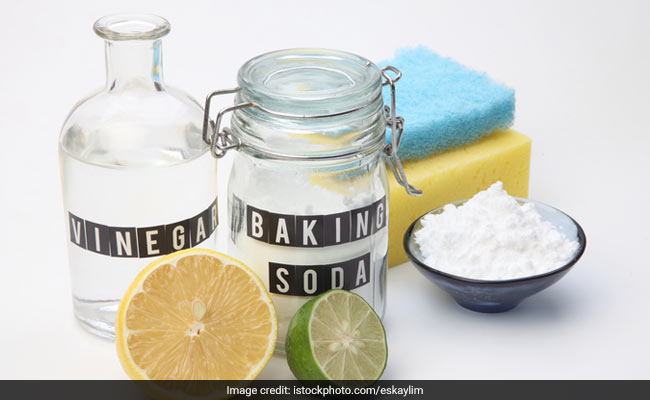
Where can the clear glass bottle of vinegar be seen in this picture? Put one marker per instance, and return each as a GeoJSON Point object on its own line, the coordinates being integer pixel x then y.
{"type": "Point", "coordinates": [138, 180]}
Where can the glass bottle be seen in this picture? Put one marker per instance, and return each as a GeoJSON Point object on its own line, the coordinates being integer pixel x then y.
{"type": "Point", "coordinates": [308, 192]}
{"type": "Point", "coordinates": [138, 180]}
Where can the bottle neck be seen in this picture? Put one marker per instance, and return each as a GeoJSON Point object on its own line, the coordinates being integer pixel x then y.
{"type": "Point", "coordinates": [133, 64]}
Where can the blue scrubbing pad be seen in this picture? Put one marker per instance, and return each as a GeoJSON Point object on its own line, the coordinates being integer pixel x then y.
{"type": "Point", "coordinates": [445, 104]}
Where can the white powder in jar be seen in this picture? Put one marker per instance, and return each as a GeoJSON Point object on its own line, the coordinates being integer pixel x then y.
{"type": "Point", "coordinates": [492, 237]}
{"type": "Point", "coordinates": [285, 189]}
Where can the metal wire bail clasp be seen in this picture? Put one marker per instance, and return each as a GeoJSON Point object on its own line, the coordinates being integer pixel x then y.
{"type": "Point", "coordinates": [220, 141]}
{"type": "Point", "coordinates": [396, 125]}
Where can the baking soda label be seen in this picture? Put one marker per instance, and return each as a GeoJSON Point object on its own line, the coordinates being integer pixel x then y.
{"type": "Point", "coordinates": [141, 242]}
{"type": "Point", "coordinates": [311, 280]}
{"type": "Point", "coordinates": [315, 230]}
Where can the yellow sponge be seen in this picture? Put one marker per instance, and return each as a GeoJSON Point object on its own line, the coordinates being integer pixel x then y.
{"type": "Point", "coordinates": [454, 175]}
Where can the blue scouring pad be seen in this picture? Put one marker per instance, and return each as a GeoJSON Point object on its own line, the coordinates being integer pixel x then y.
{"type": "Point", "coordinates": [445, 104]}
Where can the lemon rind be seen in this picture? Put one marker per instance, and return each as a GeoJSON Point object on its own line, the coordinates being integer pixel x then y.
{"type": "Point", "coordinates": [121, 331]}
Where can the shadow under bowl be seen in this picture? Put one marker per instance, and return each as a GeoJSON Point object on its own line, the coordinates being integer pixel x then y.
{"type": "Point", "coordinates": [494, 296]}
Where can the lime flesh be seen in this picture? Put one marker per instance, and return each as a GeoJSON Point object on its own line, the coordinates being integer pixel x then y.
{"type": "Point", "coordinates": [336, 336]}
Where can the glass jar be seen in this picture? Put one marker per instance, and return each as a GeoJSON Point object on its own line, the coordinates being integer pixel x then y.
{"type": "Point", "coordinates": [138, 180]}
{"type": "Point", "coordinates": [308, 193]}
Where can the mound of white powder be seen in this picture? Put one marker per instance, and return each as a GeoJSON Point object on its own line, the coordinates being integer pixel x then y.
{"type": "Point", "coordinates": [492, 237]}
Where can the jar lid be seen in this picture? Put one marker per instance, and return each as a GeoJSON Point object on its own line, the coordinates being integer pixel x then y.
{"type": "Point", "coordinates": [309, 81]}
{"type": "Point", "coordinates": [310, 102]}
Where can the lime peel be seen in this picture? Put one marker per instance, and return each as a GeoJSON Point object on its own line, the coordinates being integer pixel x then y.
{"type": "Point", "coordinates": [336, 336]}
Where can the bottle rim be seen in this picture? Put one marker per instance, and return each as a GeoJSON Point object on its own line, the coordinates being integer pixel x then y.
{"type": "Point", "coordinates": [131, 27]}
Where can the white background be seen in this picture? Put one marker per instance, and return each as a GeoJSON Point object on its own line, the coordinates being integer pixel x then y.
{"type": "Point", "coordinates": [581, 74]}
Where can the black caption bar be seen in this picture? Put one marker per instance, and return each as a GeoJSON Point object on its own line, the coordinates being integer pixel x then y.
{"type": "Point", "coordinates": [311, 280]}
{"type": "Point", "coordinates": [311, 390]}
{"type": "Point", "coordinates": [143, 242]}
{"type": "Point", "coordinates": [315, 230]}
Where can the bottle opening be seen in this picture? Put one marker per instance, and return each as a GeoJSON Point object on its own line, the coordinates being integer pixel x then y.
{"type": "Point", "coordinates": [131, 27]}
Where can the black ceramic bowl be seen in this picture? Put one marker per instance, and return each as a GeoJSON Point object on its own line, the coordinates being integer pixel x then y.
{"type": "Point", "coordinates": [497, 296]}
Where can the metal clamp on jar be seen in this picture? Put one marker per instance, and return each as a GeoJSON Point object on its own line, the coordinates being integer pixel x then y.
{"type": "Point", "coordinates": [308, 193]}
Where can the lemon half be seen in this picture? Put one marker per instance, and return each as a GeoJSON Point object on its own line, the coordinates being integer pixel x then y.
{"type": "Point", "coordinates": [196, 314]}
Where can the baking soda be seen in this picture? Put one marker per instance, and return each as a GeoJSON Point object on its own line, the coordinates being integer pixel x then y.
{"type": "Point", "coordinates": [268, 204]}
{"type": "Point", "coordinates": [492, 237]}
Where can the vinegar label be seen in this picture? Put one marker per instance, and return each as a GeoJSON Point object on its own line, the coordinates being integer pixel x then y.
{"type": "Point", "coordinates": [142, 242]}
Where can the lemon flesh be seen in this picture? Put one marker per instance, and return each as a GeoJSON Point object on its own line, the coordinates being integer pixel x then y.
{"type": "Point", "coordinates": [196, 314]}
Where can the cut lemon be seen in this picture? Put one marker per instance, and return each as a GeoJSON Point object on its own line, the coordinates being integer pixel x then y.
{"type": "Point", "coordinates": [195, 314]}
{"type": "Point", "coordinates": [336, 336]}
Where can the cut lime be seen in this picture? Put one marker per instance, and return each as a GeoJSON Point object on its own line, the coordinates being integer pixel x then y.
{"type": "Point", "coordinates": [336, 336]}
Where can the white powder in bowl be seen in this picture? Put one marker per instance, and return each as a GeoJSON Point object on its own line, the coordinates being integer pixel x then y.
{"type": "Point", "coordinates": [492, 237]}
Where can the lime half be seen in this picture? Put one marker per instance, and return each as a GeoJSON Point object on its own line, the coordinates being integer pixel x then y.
{"type": "Point", "coordinates": [336, 336]}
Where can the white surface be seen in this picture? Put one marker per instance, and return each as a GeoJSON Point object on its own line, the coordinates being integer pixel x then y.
{"type": "Point", "coordinates": [580, 70]}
